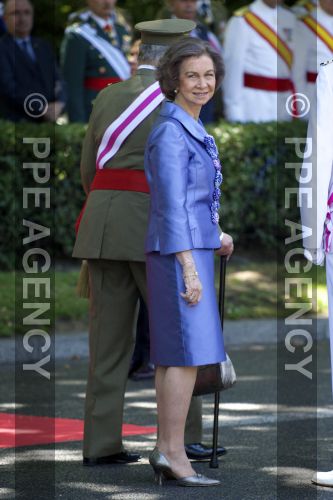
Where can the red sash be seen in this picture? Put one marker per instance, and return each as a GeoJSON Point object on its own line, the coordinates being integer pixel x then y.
{"type": "Point", "coordinates": [116, 179]}
{"type": "Point", "coordinates": [265, 83]}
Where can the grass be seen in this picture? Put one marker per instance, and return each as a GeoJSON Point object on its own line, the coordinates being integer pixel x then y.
{"type": "Point", "coordinates": [251, 292]}
{"type": "Point", "coordinates": [68, 307]}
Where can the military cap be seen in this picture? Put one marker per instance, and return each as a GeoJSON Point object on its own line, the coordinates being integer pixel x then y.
{"type": "Point", "coordinates": [164, 31]}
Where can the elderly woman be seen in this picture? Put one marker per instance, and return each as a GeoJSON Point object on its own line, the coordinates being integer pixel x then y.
{"type": "Point", "coordinates": [184, 174]}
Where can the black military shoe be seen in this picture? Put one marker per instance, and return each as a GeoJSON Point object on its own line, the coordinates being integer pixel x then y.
{"type": "Point", "coordinates": [144, 372]}
{"type": "Point", "coordinates": [123, 457]}
{"type": "Point", "coordinates": [198, 451]}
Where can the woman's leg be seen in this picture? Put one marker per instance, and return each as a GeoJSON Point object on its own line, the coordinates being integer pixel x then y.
{"type": "Point", "coordinates": [174, 388]}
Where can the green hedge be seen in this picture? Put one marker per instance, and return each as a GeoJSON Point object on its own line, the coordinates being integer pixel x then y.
{"type": "Point", "coordinates": [253, 158]}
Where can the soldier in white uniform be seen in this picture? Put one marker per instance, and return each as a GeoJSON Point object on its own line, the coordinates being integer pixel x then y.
{"type": "Point", "coordinates": [319, 245]}
{"type": "Point", "coordinates": [313, 45]}
{"type": "Point", "coordinates": [258, 75]}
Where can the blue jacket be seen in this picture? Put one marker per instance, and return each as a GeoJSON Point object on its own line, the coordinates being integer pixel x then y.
{"type": "Point", "coordinates": [181, 175]}
{"type": "Point", "coordinates": [20, 77]}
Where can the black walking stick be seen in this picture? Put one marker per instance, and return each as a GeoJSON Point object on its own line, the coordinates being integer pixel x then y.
{"type": "Point", "coordinates": [213, 461]}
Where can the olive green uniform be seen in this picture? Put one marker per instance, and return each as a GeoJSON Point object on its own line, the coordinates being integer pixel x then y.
{"type": "Point", "coordinates": [111, 236]}
{"type": "Point", "coordinates": [80, 60]}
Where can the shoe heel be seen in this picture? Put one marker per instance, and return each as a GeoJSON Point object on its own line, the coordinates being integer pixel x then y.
{"type": "Point", "coordinates": [159, 477]}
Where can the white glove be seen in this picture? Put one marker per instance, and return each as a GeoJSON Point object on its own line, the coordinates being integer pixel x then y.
{"type": "Point", "coordinates": [315, 255]}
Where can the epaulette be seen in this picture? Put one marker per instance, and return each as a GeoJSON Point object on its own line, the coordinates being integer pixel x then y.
{"type": "Point", "coordinates": [121, 19]}
{"type": "Point", "coordinates": [241, 12]}
{"type": "Point", "coordinates": [72, 27]}
{"type": "Point", "coordinates": [326, 62]}
{"type": "Point", "coordinates": [78, 16]}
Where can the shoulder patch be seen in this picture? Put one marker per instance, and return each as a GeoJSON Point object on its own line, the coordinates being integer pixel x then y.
{"type": "Point", "coordinates": [326, 62]}
{"type": "Point", "coordinates": [241, 12]}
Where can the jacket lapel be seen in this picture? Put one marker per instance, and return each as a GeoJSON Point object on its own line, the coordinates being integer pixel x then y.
{"type": "Point", "coordinates": [42, 65]}
{"type": "Point", "coordinates": [22, 58]}
{"type": "Point", "coordinates": [195, 128]}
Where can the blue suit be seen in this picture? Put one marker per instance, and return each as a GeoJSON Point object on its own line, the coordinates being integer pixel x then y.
{"type": "Point", "coordinates": [20, 77]}
{"type": "Point", "coordinates": [181, 177]}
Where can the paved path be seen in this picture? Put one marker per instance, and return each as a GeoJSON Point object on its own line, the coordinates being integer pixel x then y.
{"type": "Point", "coordinates": [261, 441]}
{"type": "Point", "coordinates": [242, 332]}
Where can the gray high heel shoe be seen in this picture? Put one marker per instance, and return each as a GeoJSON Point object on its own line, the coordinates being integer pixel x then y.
{"type": "Point", "coordinates": [163, 471]}
{"type": "Point", "coordinates": [161, 466]}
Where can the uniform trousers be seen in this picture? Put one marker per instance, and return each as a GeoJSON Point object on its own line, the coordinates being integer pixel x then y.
{"type": "Point", "coordinates": [329, 279]}
{"type": "Point", "coordinates": [115, 287]}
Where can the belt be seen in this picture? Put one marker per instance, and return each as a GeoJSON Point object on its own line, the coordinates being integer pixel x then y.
{"type": "Point", "coordinates": [122, 179]}
{"type": "Point", "coordinates": [116, 179]}
{"type": "Point", "coordinates": [266, 83]}
{"type": "Point", "coordinates": [100, 82]}
{"type": "Point", "coordinates": [311, 77]}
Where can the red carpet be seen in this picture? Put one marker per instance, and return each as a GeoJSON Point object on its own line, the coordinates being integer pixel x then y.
{"type": "Point", "coordinates": [26, 430]}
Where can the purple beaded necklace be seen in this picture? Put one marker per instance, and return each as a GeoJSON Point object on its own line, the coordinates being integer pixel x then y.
{"type": "Point", "coordinates": [214, 154]}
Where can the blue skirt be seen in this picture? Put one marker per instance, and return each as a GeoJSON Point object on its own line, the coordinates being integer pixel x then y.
{"type": "Point", "coordinates": [181, 335]}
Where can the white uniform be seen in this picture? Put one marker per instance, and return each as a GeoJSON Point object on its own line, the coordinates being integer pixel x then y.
{"type": "Point", "coordinates": [246, 52]}
{"type": "Point", "coordinates": [320, 132]}
{"type": "Point", "coordinates": [310, 51]}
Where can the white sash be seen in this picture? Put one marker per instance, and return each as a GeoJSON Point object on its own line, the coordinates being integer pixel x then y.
{"type": "Point", "coordinates": [130, 118]}
{"type": "Point", "coordinates": [113, 55]}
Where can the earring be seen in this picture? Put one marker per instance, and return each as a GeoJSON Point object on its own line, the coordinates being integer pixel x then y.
{"type": "Point", "coordinates": [175, 91]}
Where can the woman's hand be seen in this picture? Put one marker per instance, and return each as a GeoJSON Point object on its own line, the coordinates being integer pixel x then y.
{"type": "Point", "coordinates": [227, 246]}
{"type": "Point", "coordinates": [193, 286]}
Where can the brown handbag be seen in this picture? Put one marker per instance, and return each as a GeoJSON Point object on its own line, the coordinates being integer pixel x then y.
{"type": "Point", "coordinates": [215, 378]}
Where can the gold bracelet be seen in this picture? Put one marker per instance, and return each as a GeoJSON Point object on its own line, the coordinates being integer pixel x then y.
{"type": "Point", "coordinates": [189, 275]}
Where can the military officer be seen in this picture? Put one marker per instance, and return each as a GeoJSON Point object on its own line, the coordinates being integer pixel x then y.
{"type": "Point", "coordinates": [111, 236]}
{"type": "Point", "coordinates": [214, 14]}
{"type": "Point", "coordinates": [258, 57]}
{"type": "Point", "coordinates": [118, 16]}
{"type": "Point", "coordinates": [93, 55]}
{"type": "Point", "coordinates": [317, 212]}
{"type": "Point", "coordinates": [313, 45]}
